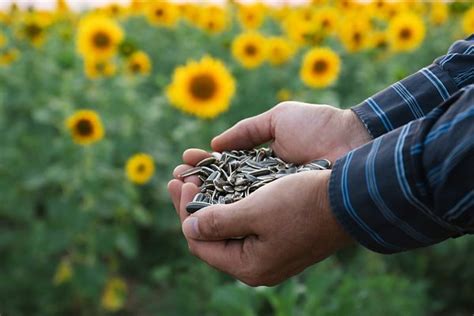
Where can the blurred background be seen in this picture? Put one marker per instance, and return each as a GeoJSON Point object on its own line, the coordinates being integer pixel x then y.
{"type": "Point", "coordinates": [98, 102]}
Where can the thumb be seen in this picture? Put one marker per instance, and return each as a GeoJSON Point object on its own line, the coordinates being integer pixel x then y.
{"type": "Point", "coordinates": [246, 134]}
{"type": "Point", "coordinates": [219, 222]}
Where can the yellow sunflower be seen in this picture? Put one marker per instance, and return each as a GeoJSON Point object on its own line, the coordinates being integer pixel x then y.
{"type": "Point", "coordinates": [251, 16]}
{"type": "Point", "coordinates": [326, 19]}
{"type": "Point", "coordinates": [203, 88]}
{"type": "Point", "coordinates": [99, 37]}
{"type": "Point", "coordinates": [139, 63]}
{"type": "Point", "coordinates": [405, 32]}
{"type": "Point", "coordinates": [62, 7]}
{"type": "Point", "coordinates": [213, 19]}
{"type": "Point", "coordinates": [249, 49]}
{"type": "Point", "coordinates": [114, 295]}
{"type": "Point", "coordinates": [439, 13]}
{"type": "Point", "coordinates": [320, 67]}
{"type": "Point", "coordinates": [162, 13]}
{"type": "Point", "coordinates": [378, 40]}
{"type": "Point", "coordinates": [9, 56]}
{"type": "Point", "coordinates": [468, 21]}
{"type": "Point", "coordinates": [95, 68]}
{"type": "Point", "coordinates": [64, 272]}
{"type": "Point", "coordinates": [280, 50]}
{"type": "Point", "coordinates": [3, 40]}
{"type": "Point", "coordinates": [299, 30]}
{"type": "Point", "coordinates": [283, 95]}
{"type": "Point", "coordinates": [85, 127]}
{"type": "Point", "coordinates": [33, 28]}
{"type": "Point", "coordinates": [140, 168]}
{"type": "Point", "coordinates": [354, 32]}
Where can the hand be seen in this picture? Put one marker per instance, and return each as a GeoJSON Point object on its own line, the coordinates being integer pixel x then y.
{"type": "Point", "coordinates": [287, 226]}
{"type": "Point", "coordinates": [300, 132]}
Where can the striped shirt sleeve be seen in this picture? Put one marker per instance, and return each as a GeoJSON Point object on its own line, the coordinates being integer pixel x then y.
{"type": "Point", "coordinates": [413, 186]}
{"type": "Point", "coordinates": [415, 96]}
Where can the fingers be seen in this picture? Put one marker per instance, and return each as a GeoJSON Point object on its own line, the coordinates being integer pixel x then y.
{"type": "Point", "coordinates": [181, 169]}
{"type": "Point", "coordinates": [174, 189]}
{"type": "Point", "coordinates": [220, 222]}
{"type": "Point", "coordinates": [245, 134]}
{"type": "Point", "coordinates": [193, 155]}
{"type": "Point", "coordinates": [223, 255]}
{"type": "Point", "coordinates": [188, 191]}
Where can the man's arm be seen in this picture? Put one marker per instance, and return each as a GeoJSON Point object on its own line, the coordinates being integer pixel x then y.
{"type": "Point", "coordinates": [415, 96]}
{"type": "Point", "coordinates": [413, 186]}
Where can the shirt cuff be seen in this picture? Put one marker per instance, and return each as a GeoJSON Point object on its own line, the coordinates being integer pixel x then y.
{"type": "Point", "coordinates": [407, 100]}
{"type": "Point", "coordinates": [374, 196]}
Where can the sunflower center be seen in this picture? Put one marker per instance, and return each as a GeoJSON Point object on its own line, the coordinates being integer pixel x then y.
{"type": "Point", "coordinates": [250, 50]}
{"type": "Point", "coordinates": [84, 127]}
{"type": "Point", "coordinates": [357, 37]}
{"type": "Point", "coordinates": [33, 30]}
{"type": "Point", "coordinates": [325, 23]}
{"type": "Point", "coordinates": [101, 39]}
{"type": "Point", "coordinates": [159, 12]}
{"type": "Point", "coordinates": [135, 67]}
{"type": "Point", "coordinates": [320, 66]}
{"type": "Point", "coordinates": [141, 168]}
{"type": "Point", "coordinates": [203, 87]}
{"type": "Point", "coordinates": [405, 33]}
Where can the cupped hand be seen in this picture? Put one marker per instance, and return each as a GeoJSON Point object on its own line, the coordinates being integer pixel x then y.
{"type": "Point", "coordinates": [274, 233]}
{"type": "Point", "coordinates": [298, 132]}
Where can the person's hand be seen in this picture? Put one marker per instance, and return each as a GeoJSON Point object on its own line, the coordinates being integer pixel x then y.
{"type": "Point", "coordinates": [299, 132]}
{"type": "Point", "coordinates": [283, 227]}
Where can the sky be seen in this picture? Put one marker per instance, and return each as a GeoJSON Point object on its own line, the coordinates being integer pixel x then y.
{"type": "Point", "coordinates": [84, 4]}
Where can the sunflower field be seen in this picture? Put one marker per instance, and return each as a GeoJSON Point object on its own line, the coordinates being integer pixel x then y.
{"type": "Point", "coordinates": [97, 106]}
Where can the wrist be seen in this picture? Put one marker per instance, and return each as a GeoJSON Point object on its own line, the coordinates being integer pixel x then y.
{"type": "Point", "coordinates": [358, 134]}
{"type": "Point", "coordinates": [337, 237]}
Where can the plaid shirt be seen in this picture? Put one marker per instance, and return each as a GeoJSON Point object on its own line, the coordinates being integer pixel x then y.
{"type": "Point", "coordinates": [413, 185]}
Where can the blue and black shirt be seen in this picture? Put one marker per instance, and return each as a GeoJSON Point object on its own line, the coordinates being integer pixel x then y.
{"type": "Point", "coordinates": [413, 184]}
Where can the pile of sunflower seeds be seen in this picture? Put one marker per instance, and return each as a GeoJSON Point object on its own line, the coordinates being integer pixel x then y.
{"type": "Point", "coordinates": [231, 176]}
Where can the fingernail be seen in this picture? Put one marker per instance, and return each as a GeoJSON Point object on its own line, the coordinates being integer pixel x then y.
{"type": "Point", "coordinates": [191, 227]}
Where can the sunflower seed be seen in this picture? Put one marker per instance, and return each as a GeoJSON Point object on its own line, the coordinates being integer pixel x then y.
{"type": "Point", "coordinates": [230, 176]}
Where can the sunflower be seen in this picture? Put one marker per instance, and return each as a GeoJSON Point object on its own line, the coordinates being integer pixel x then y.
{"type": "Point", "coordinates": [405, 32]}
{"type": "Point", "coordinates": [98, 36]}
{"type": "Point", "coordinates": [326, 19]}
{"type": "Point", "coordinates": [95, 68]}
{"type": "Point", "coordinates": [280, 50]}
{"type": "Point", "coordinates": [283, 95]}
{"type": "Point", "coordinates": [162, 13]}
{"type": "Point", "coordinates": [249, 49]}
{"type": "Point", "coordinates": [64, 272]}
{"type": "Point", "coordinates": [114, 295]}
{"type": "Point", "coordinates": [320, 67]}
{"type": "Point", "coordinates": [85, 127]}
{"type": "Point", "coordinates": [299, 30]}
{"type": "Point", "coordinates": [203, 88]}
{"type": "Point", "coordinates": [9, 56]}
{"type": "Point", "coordinates": [140, 168]}
{"type": "Point", "coordinates": [251, 16]}
{"type": "Point", "coordinates": [62, 7]}
{"type": "Point", "coordinates": [139, 63]}
{"type": "Point", "coordinates": [378, 40]}
{"type": "Point", "coordinates": [354, 32]}
{"type": "Point", "coordinates": [33, 28]}
{"type": "Point", "coordinates": [213, 19]}
{"type": "Point", "coordinates": [468, 21]}
{"type": "Point", "coordinates": [439, 13]}
{"type": "Point", "coordinates": [3, 40]}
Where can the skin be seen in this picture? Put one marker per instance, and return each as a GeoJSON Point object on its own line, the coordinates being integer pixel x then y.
{"type": "Point", "coordinates": [287, 225]}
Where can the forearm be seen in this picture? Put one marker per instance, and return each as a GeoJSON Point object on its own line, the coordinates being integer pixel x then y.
{"type": "Point", "coordinates": [411, 187]}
